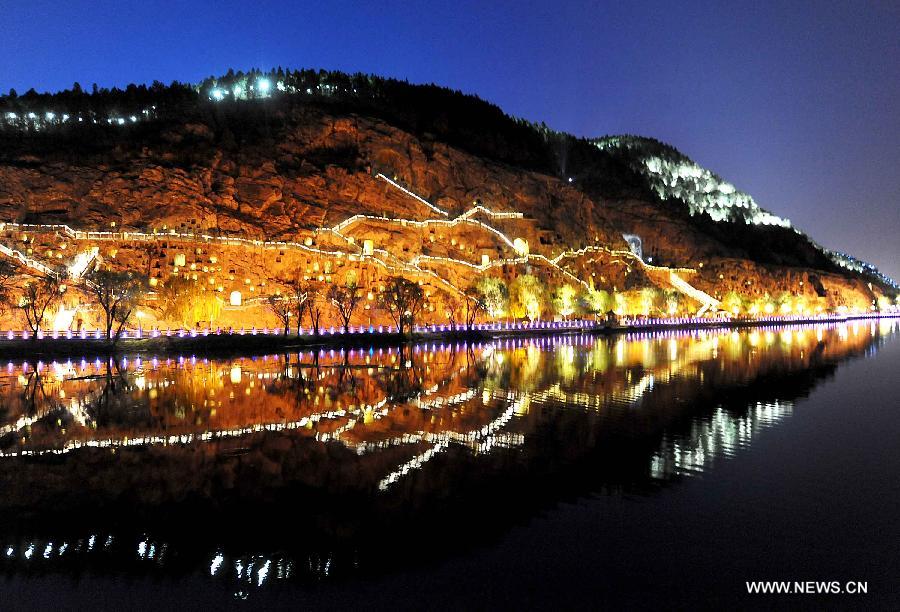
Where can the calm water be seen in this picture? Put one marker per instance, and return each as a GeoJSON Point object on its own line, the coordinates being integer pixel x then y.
{"type": "Point", "coordinates": [652, 470]}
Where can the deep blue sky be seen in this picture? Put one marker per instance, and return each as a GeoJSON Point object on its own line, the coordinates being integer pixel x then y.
{"type": "Point", "coordinates": [794, 102]}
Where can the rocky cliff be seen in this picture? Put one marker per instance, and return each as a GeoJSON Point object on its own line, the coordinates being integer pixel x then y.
{"type": "Point", "coordinates": [291, 164]}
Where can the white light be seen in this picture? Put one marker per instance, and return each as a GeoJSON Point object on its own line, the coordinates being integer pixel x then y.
{"type": "Point", "coordinates": [262, 573]}
{"type": "Point", "coordinates": [217, 94]}
{"type": "Point", "coordinates": [263, 85]}
{"type": "Point", "coordinates": [216, 563]}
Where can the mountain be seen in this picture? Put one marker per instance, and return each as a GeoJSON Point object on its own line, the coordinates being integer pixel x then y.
{"type": "Point", "coordinates": [293, 155]}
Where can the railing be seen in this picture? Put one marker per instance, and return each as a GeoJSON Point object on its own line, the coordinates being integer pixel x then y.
{"type": "Point", "coordinates": [411, 194]}
{"type": "Point", "coordinates": [707, 300]}
{"type": "Point", "coordinates": [28, 262]}
{"type": "Point", "coordinates": [573, 325]}
{"type": "Point", "coordinates": [97, 334]}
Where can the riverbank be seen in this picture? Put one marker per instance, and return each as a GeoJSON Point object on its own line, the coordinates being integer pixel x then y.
{"type": "Point", "coordinates": [265, 341]}
{"type": "Point", "coordinates": [253, 342]}
{"type": "Point", "coordinates": [663, 324]}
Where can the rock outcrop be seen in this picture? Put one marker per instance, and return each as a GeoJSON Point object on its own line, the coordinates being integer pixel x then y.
{"type": "Point", "coordinates": [306, 167]}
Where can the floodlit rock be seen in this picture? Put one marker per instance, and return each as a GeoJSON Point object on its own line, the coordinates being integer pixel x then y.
{"type": "Point", "coordinates": [301, 169]}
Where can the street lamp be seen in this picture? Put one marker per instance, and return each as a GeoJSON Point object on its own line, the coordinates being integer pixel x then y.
{"type": "Point", "coordinates": [140, 317]}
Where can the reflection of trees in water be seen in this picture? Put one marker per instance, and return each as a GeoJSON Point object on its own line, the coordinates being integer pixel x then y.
{"type": "Point", "coordinates": [113, 405]}
{"type": "Point", "coordinates": [404, 381]}
{"type": "Point", "coordinates": [300, 380]}
{"type": "Point", "coordinates": [35, 400]}
{"type": "Point", "coordinates": [521, 368]}
{"type": "Point", "coordinates": [34, 393]}
{"type": "Point", "coordinates": [297, 379]}
{"type": "Point", "coordinates": [346, 382]}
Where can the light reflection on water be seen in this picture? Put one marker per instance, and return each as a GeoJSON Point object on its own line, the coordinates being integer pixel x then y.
{"type": "Point", "coordinates": [389, 428]}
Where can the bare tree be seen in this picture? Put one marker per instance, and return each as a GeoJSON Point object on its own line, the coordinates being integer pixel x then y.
{"type": "Point", "coordinates": [453, 305]}
{"type": "Point", "coordinates": [38, 296]}
{"type": "Point", "coordinates": [403, 300]}
{"type": "Point", "coordinates": [282, 308]}
{"type": "Point", "coordinates": [344, 298]}
{"type": "Point", "coordinates": [313, 306]}
{"type": "Point", "coordinates": [476, 302]}
{"type": "Point", "coordinates": [119, 294]}
{"type": "Point", "coordinates": [291, 303]}
{"type": "Point", "coordinates": [299, 292]}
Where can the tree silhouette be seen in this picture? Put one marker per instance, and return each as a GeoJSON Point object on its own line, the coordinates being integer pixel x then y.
{"type": "Point", "coordinates": [118, 294]}
{"type": "Point", "coordinates": [37, 297]}
{"type": "Point", "coordinates": [344, 299]}
{"type": "Point", "coordinates": [403, 300]}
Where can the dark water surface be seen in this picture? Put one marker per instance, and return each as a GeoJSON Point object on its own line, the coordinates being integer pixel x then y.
{"type": "Point", "coordinates": [653, 471]}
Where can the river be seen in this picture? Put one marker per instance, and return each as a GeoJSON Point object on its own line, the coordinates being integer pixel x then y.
{"type": "Point", "coordinates": [648, 470]}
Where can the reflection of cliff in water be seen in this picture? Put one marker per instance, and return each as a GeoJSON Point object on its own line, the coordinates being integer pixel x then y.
{"type": "Point", "coordinates": [338, 459]}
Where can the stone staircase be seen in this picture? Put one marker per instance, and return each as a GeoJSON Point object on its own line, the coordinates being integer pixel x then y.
{"type": "Point", "coordinates": [708, 302]}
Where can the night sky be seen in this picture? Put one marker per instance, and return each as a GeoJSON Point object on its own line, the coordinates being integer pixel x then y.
{"type": "Point", "coordinates": [794, 102]}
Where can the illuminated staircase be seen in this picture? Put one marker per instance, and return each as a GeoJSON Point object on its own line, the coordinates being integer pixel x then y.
{"type": "Point", "coordinates": [417, 197]}
{"type": "Point", "coordinates": [76, 270]}
{"type": "Point", "coordinates": [708, 302]}
{"type": "Point", "coordinates": [28, 262]}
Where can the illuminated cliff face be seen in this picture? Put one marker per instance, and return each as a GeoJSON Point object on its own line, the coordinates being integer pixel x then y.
{"type": "Point", "coordinates": [329, 194]}
{"type": "Point", "coordinates": [443, 255]}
